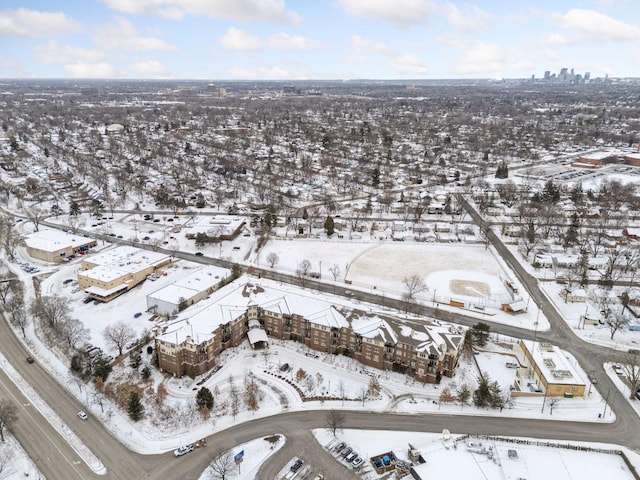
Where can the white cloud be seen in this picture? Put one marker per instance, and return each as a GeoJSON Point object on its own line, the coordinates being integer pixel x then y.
{"type": "Point", "coordinates": [409, 65]}
{"type": "Point", "coordinates": [471, 20]}
{"type": "Point", "coordinates": [237, 10]}
{"type": "Point", "coordinates": [268, 73]}
{"type": "Point", "coordinates": [53, 52]}
{"type": "Point", "coordinates": [598, 26]}
{"type": "Point", "coordinates": [242, 41]}
{"type": "Point", "coordinates": [34, 23]}
{"type": "Point", "coordinates": [90, 70]}
{"type": "Point", "coordinates": [149, 69]}
{"type": "Point", "coordinates": [284, 41]}
{"type": "Point", "coordinates": [489, 58]}
{"type": "Point", "coordinates": [400, 12]}
{"type": "Point", "coordinates": [123, 35]}
{"type": "Point", "coordinates": [365, 45]}
{"type": "Point", "coordinates": [557, 40]}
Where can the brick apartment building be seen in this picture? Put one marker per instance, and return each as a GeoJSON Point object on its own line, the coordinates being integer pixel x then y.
{"type": "Point", "coordinates": [425, 350]}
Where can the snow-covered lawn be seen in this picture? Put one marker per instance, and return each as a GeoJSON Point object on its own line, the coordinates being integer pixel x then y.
{"type": "Point", "coordinates": [327, 375]}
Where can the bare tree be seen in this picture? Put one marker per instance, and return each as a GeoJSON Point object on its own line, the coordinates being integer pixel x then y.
{"type": "Point", "coordinates": [222, 466]}
{"type": "Point", "coordinates": [273, 259]}
{"type": "Point", "coordinates": [335, 271]}
{"type": "Point", "coordinates": [18, 315]}
{"type": "Point", "coordinates": [335, 421]}
{"type": "Point", "coordinates": [6, 464]}
{"type": "Point", "coordinates": [53, 309]}
{"type": "Point", "coordinates": [8, 416]}
{"type": "Point", "coordinates": [362, 393]}
{"type": "Point", "coordinates": [36, 215]}
{"type": "Point", "coordinates": [615, 322]}
{"type": "Point", "coordinates": [73, 331]}
{"type": "Point", "coordinates": [631, 371]}
{"type": "Point", "coordinates": [9, 238]}
{"type": "Point", "coordinates": [552, 402]}
{"type": "Point", "coordinates": [118, 335]}
{"type": "Point", "coordinates": [234, 397]}
{"type": "Point", "coordinates": [251, 394]}
{"type": "Point", "coordinates": [414, 284]}
{"type": "Point", "coordinates": [304, 267]}
{"type": "Point", "coordinates": [5, 286]}
{"type": "Point", "coordinates": [342, 389]}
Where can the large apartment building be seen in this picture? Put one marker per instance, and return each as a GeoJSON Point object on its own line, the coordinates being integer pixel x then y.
{"type": "Point", "coordinates": [260, 312]}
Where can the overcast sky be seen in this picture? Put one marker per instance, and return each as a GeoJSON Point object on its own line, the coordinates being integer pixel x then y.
{"type": "Point", "coordinates": [317, 39]}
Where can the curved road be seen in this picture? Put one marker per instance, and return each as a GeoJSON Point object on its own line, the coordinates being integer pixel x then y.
{"type": "Point", "coordinates": [56, 459]}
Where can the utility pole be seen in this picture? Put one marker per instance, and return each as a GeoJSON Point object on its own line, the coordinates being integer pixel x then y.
{"type": "Point", "coordinates": [606, 401]}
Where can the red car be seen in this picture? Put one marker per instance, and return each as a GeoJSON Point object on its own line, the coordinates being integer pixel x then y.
{"type": "Point", "coordinates": [30, 360]}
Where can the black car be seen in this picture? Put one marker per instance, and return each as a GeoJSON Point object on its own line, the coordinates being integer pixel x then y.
{"type": "Point", "coordinates": [199, 254]}
{"type": "Point", "coordinates": [296, 466]}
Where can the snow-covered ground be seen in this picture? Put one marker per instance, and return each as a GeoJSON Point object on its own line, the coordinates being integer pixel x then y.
{"type": "Point", "coordinates": [181, 423]}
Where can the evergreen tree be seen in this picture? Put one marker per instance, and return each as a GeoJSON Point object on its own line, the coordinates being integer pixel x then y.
{"type": "Point", "coordinates": [135, 409]}
{"type": "Point", "coordinates": [571, 236]}
{"type": "Point", "coordinates": [329, 226]}
{"type": "Point", "coordinates": [74, 208]}
{"type": "Point", "coordinates": [480, 334]}
{"type": "Point", "coordinates": [270, 216]}
{"type": "Point", "coordinates": [204, 398]}
{"type": "Point", "coordinates": [135, 360]}
{"type": "Point", "coordinates": [146, 373]}
{"type": "Point", "coordinates": [502, 171]}
{"type": "Point", "coordinates": [482, 395]}
{"type": "Point", "coordinates": [550, 193]}
{"type": "Point", "coordinates": [236, 271]}
{"type": "Point", "coordinates": [463, 394]}
{"type": "Point", "coordinates": [375, 177]}
{"type": "Point", "coordinates": [102, 368]}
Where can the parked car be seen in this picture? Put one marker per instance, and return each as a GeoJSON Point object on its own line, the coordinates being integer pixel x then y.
{"type": "Point", "coordinates": [83, 415]}
{"type": "Point", "coordinates": [346, 452]}
{"type": "Point", "coordinates": [340, 447]}
{"type": "Point", "coordinates": [183, 450]}
{"type": "Point", "coordinates": [357, 462]}
{"type": "Point", "coordinates": [284, 367]}
{"type": "Point", "coordinates": [351, 457]}
{"type": "Point", "coordinates": [68, 281]}
{"type": "Point", "coordinates": [137, 315]}
{"type": "Point", "coordinates": [30, 360]}
{"type": "Point", "coordinates": [199, 254]}
{"type": "Point", "coordinates": [296, 466]}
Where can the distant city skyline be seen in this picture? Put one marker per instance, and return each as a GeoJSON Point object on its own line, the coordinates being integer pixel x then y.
{"type": "Point", "coordinates": [317, 39]}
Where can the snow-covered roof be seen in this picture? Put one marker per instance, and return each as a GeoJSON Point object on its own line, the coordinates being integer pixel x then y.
{"type": "Point", "coordinates": [128, 259]}
{"type": "Point", "coordinates": [215, 226]}
{"type": "Point", "coordinates": [54, 240]}
{"type": "Point", "coordinates": [191, 285]}
{"type": "Point", "coordinates": [553, 364]}
{"type": "Point", "coordinates": [233, 300]}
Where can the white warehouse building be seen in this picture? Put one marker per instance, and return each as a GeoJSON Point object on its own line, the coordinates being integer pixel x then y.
{"type": "Point", "coordinates": [190, 289]}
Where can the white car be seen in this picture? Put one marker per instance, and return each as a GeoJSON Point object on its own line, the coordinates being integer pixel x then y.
{"type": "Point", "coordinates": [83, 415]}
{"type": "Point", "coordinates": [180, 451]}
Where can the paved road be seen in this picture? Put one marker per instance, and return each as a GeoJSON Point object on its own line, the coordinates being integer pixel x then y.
{"type": "Point", "coordinates": [53, 455]}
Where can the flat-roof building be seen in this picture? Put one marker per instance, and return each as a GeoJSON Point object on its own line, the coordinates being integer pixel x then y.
{"type": "Point", "coordinates": [171, 299]}
{"type": "Point", "coordinates": [56, 246]}
{"type": "Point", "coordinates": [111, 273]}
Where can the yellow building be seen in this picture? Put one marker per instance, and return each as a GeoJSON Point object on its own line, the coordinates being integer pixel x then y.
{"type": "Point", "coordinates": [111, 273]}
{"type": "Point", "coordinates": [552, 373]}
{"type": "Point", "coordinates": [55, 246]}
